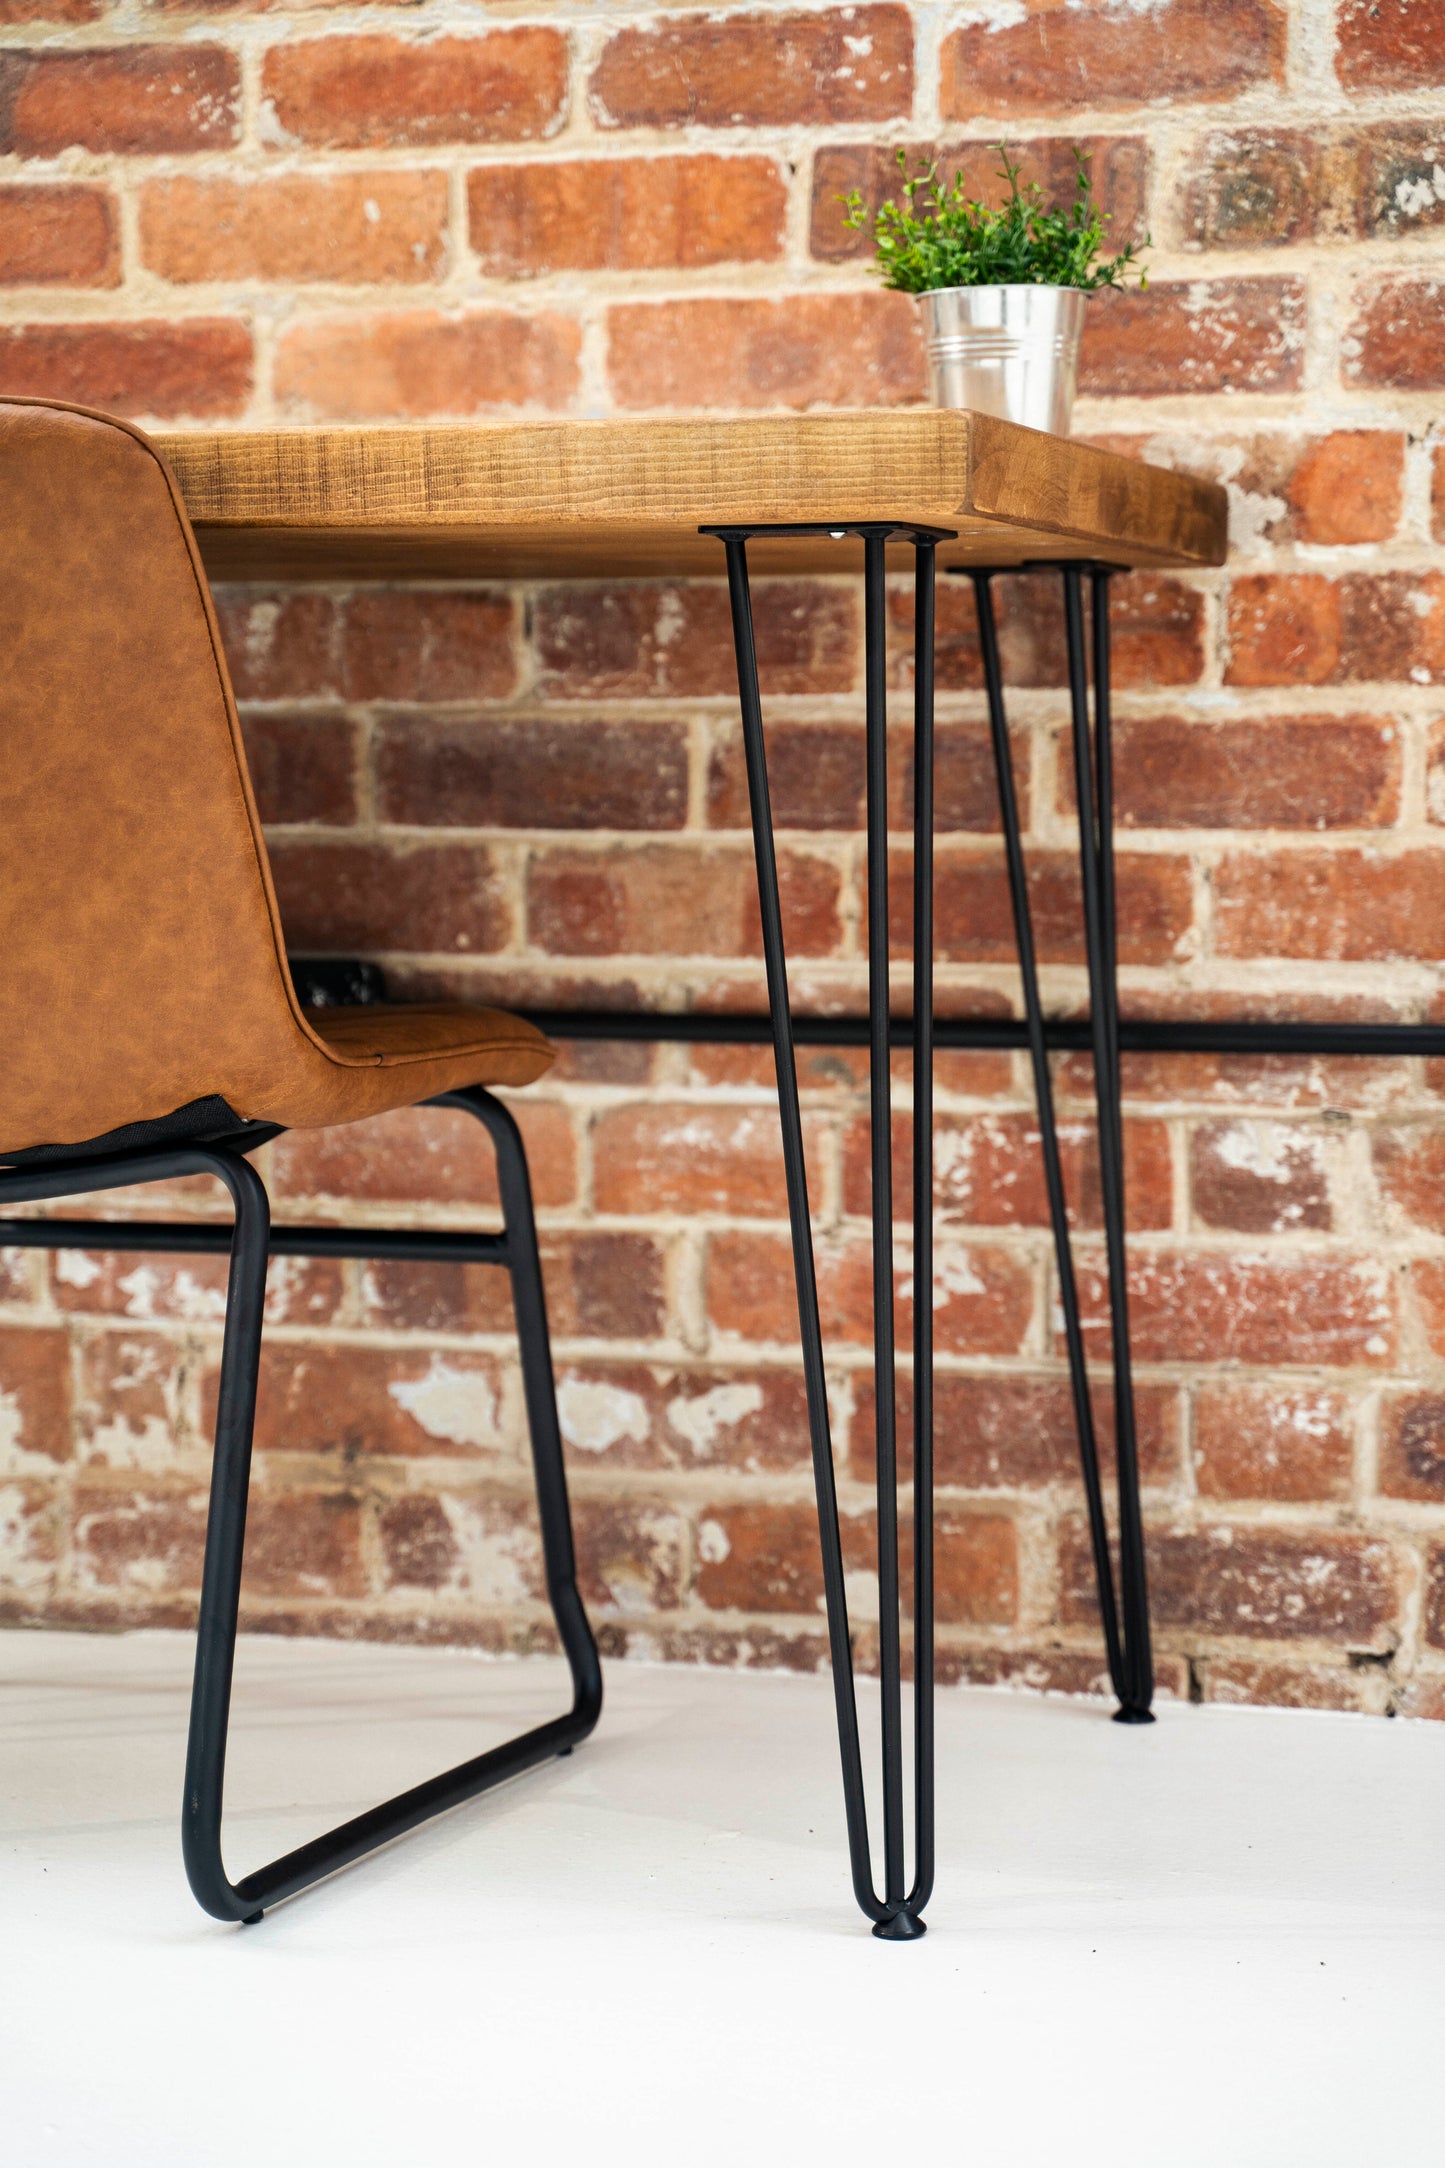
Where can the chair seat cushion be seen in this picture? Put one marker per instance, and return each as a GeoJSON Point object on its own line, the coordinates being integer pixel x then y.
{"type": "Point", "coordinates": [392, 1055]}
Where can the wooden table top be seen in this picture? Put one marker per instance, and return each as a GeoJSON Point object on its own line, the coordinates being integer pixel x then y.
{"type": "Point", "coordinates": [536, 500]}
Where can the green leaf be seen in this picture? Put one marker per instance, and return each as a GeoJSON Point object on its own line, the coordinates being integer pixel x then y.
{"type": "Point", "coordinates": [939, 236]}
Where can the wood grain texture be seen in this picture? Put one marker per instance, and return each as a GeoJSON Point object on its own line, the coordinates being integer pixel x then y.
{"type": "Point", "coordinates": [531, 500]}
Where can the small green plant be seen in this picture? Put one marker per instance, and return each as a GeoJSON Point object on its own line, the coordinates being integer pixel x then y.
{"type": "Point", "coordinates": [939, 236]}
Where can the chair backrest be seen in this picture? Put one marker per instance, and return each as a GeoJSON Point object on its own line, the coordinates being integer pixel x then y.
{"type": "Point", "coordinates": [141, 956]}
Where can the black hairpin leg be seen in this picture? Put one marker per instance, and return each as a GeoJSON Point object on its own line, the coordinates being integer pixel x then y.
{"type": "Point", "coordinates": [1125, 1617]}
{"type": "Point", "coordinates": [897, 1914]}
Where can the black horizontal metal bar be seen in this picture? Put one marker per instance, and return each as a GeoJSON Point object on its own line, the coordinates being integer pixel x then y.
{"type": "Point", "coordinates": [394, 1817]}
{"type": "Point", "coordinates": [172, 1237]}
{"type": "Point", "coordinates": [1141, 1035]}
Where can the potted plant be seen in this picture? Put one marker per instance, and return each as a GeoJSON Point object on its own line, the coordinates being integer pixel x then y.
{"type": "Point", "coordinates": [1002, 291]}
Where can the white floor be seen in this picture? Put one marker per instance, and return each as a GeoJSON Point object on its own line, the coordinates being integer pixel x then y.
{"type": "Point", "coordinates": [1218, 1941]}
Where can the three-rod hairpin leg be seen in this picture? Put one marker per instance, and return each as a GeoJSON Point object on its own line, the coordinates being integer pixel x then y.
{"type": "Point", "coordinates": [1125, 1616]}
{"type": "Point", "coordinates": [897, 1914]}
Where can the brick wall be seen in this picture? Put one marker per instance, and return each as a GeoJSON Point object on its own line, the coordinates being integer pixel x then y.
{"type": "Point", "coordinates": [233, 214]}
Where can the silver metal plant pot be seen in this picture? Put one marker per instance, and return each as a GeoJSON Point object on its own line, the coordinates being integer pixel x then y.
{"type": "Point", "coordinates": [1006, 350]}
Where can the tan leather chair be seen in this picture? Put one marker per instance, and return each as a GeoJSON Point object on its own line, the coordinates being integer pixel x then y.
{"type": "Point", "coordinates": [149, 1026]}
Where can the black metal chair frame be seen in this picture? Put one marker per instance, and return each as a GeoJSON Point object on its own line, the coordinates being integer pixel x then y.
{"type": "Point", "coordinates": [251, 1241]}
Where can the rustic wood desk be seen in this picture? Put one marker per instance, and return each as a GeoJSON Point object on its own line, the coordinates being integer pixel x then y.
{"type": "Point", "coordinates": [668, 498]}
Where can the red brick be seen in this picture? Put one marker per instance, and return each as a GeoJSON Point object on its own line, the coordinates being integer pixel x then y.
{"type": "Point", "coordinates": [1270, 1081]}
{"type": "Point", "coordinates": [988, 1171]}
{"type": "Point", "coordinates": [419, 1549]}
{"type": "Point", "coordinates": [1156, 626]}
{"type": "Point", "coordinates": [1261, 1583]}
{"type": "Point", "coordinates": [651, 900]}
{"type": "Point", "coordinates": [58, 236]}
{"type": "Point", "coordinates": [982, 1303]}
{"type": "Point", "coordinates": [1183, 336]}
{"type": "Point", "coordinates": [1118, 169]}
{"type": "Point", "coordinates": [1412, 1447]}
{"type": "Point", "coordinates": [625, 214]}
{"type": "Point", "coordinates": [1243, 1680]}
{"type": "Point", "coordinates": [194, 366]}
{"type": "Point", "coordinates": [1258, 1177]}
{"type": "Point", "coordinates": [1112, 54]}
{"type": "Point", "coordinates": [638, 1415]}
{"type": "Point", "coordinates": [1410, 1169]}
{"type": "Point", "coordinates": [1305, 771]}
{"type": "Point", "coordinates": [1264, 1311]}
{"type": "Point", "coordinates": [1427, 1283]}
{"type": "Point", "coordinates": [1348, 487]}
{"type": "Point", "coordinates": [485, 1548]}
{"type": "Point", "coordinates": [383, 93]}
{"type": "Point", "coordinates": [1343, 487]}
{"type": "Point", "coordinates": [1392, 179]}
{"type": "Point", "coordinates": [755, 1557]}
{"type": "Point", "coordinates": [1346, 906]}
{"type": "Point", "coordinates": [361, 1403]}
{"type": "Point", "coordinates": [664, 641]}
{"type": "Point", "coordinates": [304, 1543]}
{"type": "Point", "coordinates": [840, 65]}
{"type": "Point", "coordinates": [1304, 628]}
{"type": "Point", "coordinates": [629, 1556]}
{"type": "Point", "coordinates": [481, 1546]}
{"type": "Point", "coordinates": [1437, 493]}
{"type": "Point", "coordinates": [280, 645]}
{"type": "Point", "coordinates": [130, 98]}
{"type": "Point", "coordinates": [376, 644]}
{"type": "Point", "coordinates": [816, 779]}
{"type": "Point", "coordinates": [1015, 1433]}
{"type": "Point", "coordinates": [142, 1539]}
{"type": "Point", "coordinates": [1390, 44]}
{"type": "Point", "coordinates": [1256, 188]}
{"type": "Point", "coordinates": [351, 229]}
{"type": "Point", "coordinates": [51, 11]}
{"type": "Point", "coordinates": [541, 773]}
{"type": "Point", "coordinates": [1253, 188]}
{"type": "Point", "coordinates": [408, 645]}
{"type": "Point", "coordinates": [30, 1546]}
{"type": "Point", "coordinates": [600, 1286]}
{"type": "Point", "coordinates": [130, 1389]}
{"type": "Point", "coordinates": [303, 768]}
{"type": "Point", "coordinates": [975, 922]}
{"type": "Point", "coordinates": [1272, 1441]}
{"type": "Point", "coordinates": [1435, 1597]}
{"type": "Point", "coordinates": [35, 1397]}
{"type": "Point", "coordinates": [299, 1290]}
{"type": "Point", "coordinates": [691, 1158]}
{"type": "Point", "coordinates": [424, 1155]}
{"type": "Point", "coordinates": [422, 362]}
{"type": "Point", "coordinates": [798, 351]}
{"type": "Point", "coordinates": [340, 898]}
{"type": "Point", "coordinates": [976, 1568]}
{"type": "Point", "coordinates": [1396, 338]}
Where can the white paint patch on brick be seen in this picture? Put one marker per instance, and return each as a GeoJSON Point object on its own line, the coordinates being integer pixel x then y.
{"type": "Point", "coordinates": [712, 1543]}
{"type": "Point", "coordinates": [23, 1570]}
{"type": "Point", "coordinates": [595, 1417]}
{"type": "Point", "coordinates": [15, 1456]}
{"type": "Point", "coordinates": [700, 1419]}
{"type": "Point", "coordinates": [457, 1405]}
{"type": "Point", "coordinates": [76, 1268]}
{"type": "Point", "coordinates": [188, 1297]}
{"type": "Point", "coordinates": [494, 1556]}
